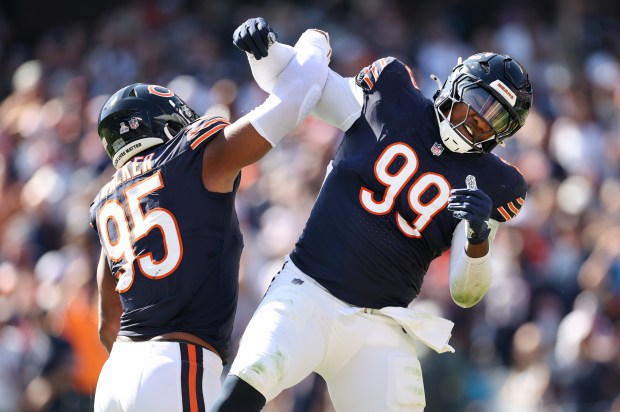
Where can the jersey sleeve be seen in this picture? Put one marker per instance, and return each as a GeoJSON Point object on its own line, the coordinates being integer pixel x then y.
{"type": "Point", "coordinates": [507, 206]}
{"type": "Point", "coordinates": [204, 129]}
{"type": "Point", "coordinates": [369, 75]}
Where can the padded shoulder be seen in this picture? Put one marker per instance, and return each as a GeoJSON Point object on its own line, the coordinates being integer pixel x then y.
{"type": "Point", "coordinates": [369, 75]}
{"type": "Point", "coordinates": [204, 129]}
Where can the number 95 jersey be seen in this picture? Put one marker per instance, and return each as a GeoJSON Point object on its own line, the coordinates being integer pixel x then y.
{"type": "Point", "coordinates": [172, 246]}
{"type": "Point", "coordinates": [381, 217]}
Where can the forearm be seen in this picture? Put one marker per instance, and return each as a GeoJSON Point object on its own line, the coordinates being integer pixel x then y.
{"type": "Point", "coordinates": [340, 103]}
{"type": "Point", "coordinates": [296, 90]}
{"type": "Point", "coordinates": [470, 267]}
{"type": "Point", "coordinates": [266, 70]}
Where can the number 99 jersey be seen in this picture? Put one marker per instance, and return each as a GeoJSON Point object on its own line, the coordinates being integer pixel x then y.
{"type": "Point", "coordinates": [172, 246]}
{"type": "Point", "coordinates": [381, 217]}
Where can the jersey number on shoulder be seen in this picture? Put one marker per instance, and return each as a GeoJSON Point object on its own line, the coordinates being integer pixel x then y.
{"type": "Point", "coordinates": [121, 246]}
{"type": "Point", "coordinates": [394, 184]}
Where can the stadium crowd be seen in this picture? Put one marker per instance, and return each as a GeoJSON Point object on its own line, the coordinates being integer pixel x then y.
{"type": "Point", "coordinates": [547, 335]}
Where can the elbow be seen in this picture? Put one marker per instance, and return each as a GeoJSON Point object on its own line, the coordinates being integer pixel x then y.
{"type": "Point", "coordinates": [104, 338]}
{"type": "Point", "coordinates": [107, 336]}
{"type": "Point", "coordinates": [469, 296]}
{"type": "Point", "coordinates": [470, 279]}
{"type": "Point", "coordinates": [466, 300]}
{"type": "Point", "coordinates": [299, 102]}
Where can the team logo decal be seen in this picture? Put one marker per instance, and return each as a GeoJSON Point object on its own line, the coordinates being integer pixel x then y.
{"type": "Point", "coordinates": [134, 122]}
{"type": "Point", "coordinates": [504, 91]}
{"type": "Point", "coordinates": [160, 91]}
{"type": "Point", "coordinates": [437, 149]}
{"type": "Point", "coordinates": [124, 128]}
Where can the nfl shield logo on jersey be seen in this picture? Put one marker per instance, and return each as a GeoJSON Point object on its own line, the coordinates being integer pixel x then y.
{"type": "Point", "coordinates": [437, 149]}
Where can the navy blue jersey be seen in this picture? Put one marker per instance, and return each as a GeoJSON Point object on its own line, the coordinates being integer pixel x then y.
{"type": "Point", "coordinates": [172, 246]}
{"type": "Point", "coordinates": [381, 217]}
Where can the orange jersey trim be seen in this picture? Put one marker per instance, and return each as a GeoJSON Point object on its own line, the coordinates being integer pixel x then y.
{"type": "Point", "coordinates": [205, 130]}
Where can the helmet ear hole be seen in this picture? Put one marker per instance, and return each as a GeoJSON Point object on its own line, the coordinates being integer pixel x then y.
{"type": "Point", "coordinates": [170, 135]}
{"type": "Point", "coordinates": [171, 129]}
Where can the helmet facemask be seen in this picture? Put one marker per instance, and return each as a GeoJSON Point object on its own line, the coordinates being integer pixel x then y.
{"type": "Point", "coordinates": [492, 102]}
{"type": "Point", "coordinates": [178, 120]}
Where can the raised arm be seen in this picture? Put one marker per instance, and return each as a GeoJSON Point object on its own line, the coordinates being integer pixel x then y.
{"type": "Point", "coordinates": [294, 93]}
{"type": "Point", "coordinates": [341, 101]}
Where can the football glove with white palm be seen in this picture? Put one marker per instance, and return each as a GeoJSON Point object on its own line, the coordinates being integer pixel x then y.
{"type": "Point", "coordinates": [255, 36]}
{"type": "Point", "coordinates": [474, 206]}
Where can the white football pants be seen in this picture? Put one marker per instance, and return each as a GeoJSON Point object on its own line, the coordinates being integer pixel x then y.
{"type": "Point", "coordinates": [158, 376]}
{"type": "Point", "coordinates": [368, 361]}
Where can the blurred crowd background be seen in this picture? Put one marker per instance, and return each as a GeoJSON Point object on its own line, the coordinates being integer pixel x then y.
{"type": "Point", "coordinates": [547, 335]}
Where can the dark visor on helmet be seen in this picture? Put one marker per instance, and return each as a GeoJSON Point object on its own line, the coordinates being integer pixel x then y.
{"type": "Point", "coordinates": [497, 115]}
{"type": "Point", "coordinates": [488, 107]}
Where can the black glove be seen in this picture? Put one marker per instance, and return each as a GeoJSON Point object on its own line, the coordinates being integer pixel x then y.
{"type": "Point", "coordinates": [255, 36]}
{"type": "Point", "coordinates": [475, 207]}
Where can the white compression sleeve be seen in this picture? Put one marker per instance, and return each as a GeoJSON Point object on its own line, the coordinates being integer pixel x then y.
{"type": "Point", "coordinates": [296, 90]}
{"type": "Point", "coordinates": [267, 69]}
{"type": "Point", "coordinates": [470, 278]}
{"type": "Point", "coordinates": [341, 102]}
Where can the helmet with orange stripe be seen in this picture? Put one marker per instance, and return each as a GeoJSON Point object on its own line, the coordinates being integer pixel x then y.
{"type": "Point", "coordinates": [138, 117]}
{"type": "Point", "coordinates": [496, 87]}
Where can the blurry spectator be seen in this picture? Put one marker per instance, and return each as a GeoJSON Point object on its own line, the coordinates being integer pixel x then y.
{"type": "Point", "coordinates": [547, 335]}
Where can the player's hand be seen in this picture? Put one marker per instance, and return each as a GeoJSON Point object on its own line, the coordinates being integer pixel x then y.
{"type": "Point", "coordinates": [474, 206]}
{"type": "Point", "coordinates": [255, 36]}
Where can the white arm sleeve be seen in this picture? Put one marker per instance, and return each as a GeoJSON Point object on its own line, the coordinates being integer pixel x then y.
{"type": "Point", "coordinates": [470, 278]}
{"type": "Point", "coordinates": [296, 89]}
{"type": "Point", "coordinates": [341, 102]}
{"type": "Point", "coordinates": [266, 70]}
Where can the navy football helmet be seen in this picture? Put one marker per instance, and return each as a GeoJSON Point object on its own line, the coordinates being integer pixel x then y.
{"type": "Point", "coordinates": [496, 87]}
{"type": "Point", "coordinates": [138, 117]}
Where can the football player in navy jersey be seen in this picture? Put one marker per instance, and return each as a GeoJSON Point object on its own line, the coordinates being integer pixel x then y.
{"type": "Point", "coordinates": [413, 178]}
{"type": "Point", "coordinates": [170, 237]}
